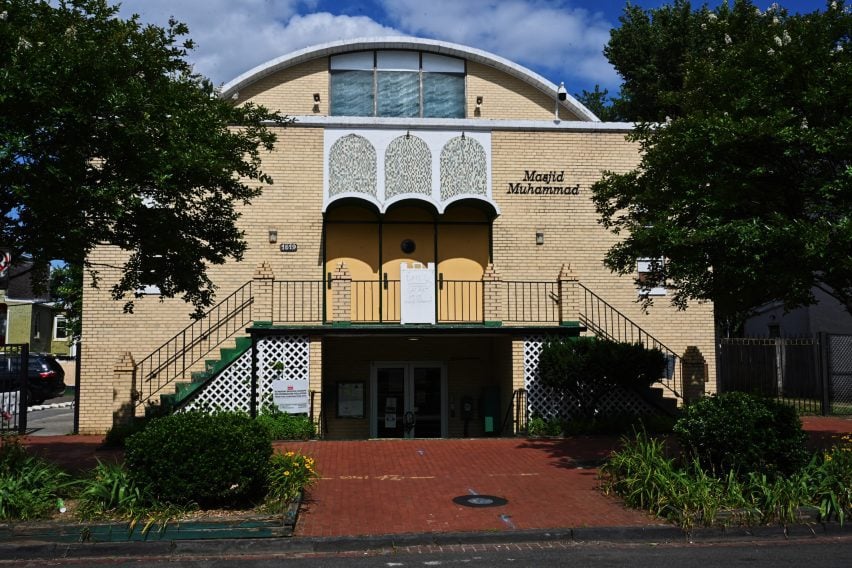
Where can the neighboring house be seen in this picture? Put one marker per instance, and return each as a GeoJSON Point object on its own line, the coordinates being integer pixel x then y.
{"type": "Point", "coordinates": [430, 225]}
{"type": "Point", "coordinates": [826, 315]}
{"type": "Point", "coordinates": [29, 316]}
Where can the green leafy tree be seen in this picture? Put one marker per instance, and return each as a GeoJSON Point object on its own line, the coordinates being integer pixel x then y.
{"type": "Point", "coordinates": [66, 289]}
{"type": "Point", "coordinates": [745, 182]}
{"type": "Point", "coordinates": [605, 108]}
{"type": "Point", "coordinates": [107, 137]}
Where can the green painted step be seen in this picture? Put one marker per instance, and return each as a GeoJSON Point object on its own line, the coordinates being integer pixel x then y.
{"type": "Point", "coordinates": [212, 367]}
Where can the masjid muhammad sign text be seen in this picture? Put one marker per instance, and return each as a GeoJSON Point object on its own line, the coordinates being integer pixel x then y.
{"type": "Point", "coordinates": [537, 182]}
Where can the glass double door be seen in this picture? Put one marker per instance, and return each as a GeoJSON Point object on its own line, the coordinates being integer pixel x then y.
{"type": "Point", "coordinates": [409, 400]}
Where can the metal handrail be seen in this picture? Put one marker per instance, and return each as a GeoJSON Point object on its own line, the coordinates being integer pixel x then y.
{"type": "Point", "coordinates": [173, 358]}
{"type": "Point", "coordinates": [604, 320]}
{"type": "Point", "coordinates": [531, 301]}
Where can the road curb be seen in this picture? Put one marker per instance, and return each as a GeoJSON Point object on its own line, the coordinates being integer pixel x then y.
{"type": "Point", "coordinates": [244, 546]}
{"type": "Point", "coordinates": [66, 404]}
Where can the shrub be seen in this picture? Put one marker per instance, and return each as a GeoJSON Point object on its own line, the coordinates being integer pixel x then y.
{"type": "Point", "coordinates": [588, 368]}
{"type": "Point", "coordinates": [110, 491]}
{"type": "Point", "coordinates": [743, 433]}
{"type": "Point", "coordinates": [832, 483]}
{"type": "Point", "coordinates": [210, 459]}
{"type": "Point", "coordinates": [118, 434]}
{"type": "Point", "coordinates": [289, 474]}
{"type": "Point", "coordinates": [283, 426]}
{"type": "Point", "coordinates": [683, 491]}
{"type": "Point", "coordinates": [29, 486]}
{"type": "Point", "coordinates": [538, 426]}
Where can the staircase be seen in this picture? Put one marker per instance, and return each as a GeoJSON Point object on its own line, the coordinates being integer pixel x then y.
{"type": "Point", "coordinates": [185, 389]}
{"type": "Point", "coordinates": [604, 320]}
{"type": "Point", "coordinates": [182, 364]}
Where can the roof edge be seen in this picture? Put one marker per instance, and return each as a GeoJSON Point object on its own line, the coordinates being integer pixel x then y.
{"type": "Point", "coordinates": [406, 42]}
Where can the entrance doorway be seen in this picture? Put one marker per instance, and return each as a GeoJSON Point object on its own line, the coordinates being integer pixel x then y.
{"type": "Point", "coordinates": [409, 400]}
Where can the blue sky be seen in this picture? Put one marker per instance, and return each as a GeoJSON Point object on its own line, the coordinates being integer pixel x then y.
{"type": "Point", "coordinates": [560, 39]}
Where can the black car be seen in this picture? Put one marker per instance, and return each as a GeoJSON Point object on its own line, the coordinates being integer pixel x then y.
{"type": "Point", "coordinates": [45, 376]}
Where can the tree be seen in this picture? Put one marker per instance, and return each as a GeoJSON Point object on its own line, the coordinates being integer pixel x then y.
{"type": "Point", "coordinates": [744, 188]}
{"type": "Point", "coordinates": [596, 101]}
{"type": "Point", "coordinates": [66, 289]}
{"type": "Point", "coordinates": [107, 137]}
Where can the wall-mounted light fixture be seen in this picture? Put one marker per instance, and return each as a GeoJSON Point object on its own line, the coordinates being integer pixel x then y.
{"type": "Point", "coordinates": [273, 235]}
{"type": "Point", "coordinates": [316, 97]}
{"type": "Point", "coordinates": [478, 102]}
{"type": "Point", "coordinates": [539, 238]}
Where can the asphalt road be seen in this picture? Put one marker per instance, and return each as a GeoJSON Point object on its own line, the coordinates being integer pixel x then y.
{"type": "Point", "coordinates": [51, 421]}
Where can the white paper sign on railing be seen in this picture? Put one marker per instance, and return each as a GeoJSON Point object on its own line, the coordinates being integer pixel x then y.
{"type": "Point", "coordinates": [417, 293]}
{"type": "Point", "coordinates": [291, 397]}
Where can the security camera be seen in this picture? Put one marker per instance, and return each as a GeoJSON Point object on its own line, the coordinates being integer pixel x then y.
{"type": "Point", "coordinates": [561, 93]}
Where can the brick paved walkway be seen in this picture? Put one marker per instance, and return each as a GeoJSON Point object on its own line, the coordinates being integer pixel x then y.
{"type": "Point", "coordinates": [407, 486]}
{"type": "Point", "coordinates": [379, 487]}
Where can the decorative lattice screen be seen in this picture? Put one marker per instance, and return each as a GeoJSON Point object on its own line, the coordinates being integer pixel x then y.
{"type": "Point", "coordinates": [231, 389]}
{"type": "Point", "coordinates": [544, 402]}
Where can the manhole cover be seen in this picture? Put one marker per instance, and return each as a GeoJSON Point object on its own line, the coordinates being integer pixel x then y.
{"type": "Point", "coordinates": [479, 501]}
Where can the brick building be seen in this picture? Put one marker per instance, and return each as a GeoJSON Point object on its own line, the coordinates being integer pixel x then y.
{"type": "Point", "coordinates": [429, 226]}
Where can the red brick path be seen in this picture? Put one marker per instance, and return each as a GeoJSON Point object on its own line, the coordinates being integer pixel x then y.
{"type": "Point", "coordinates": [377, 487]}
{"type": "Point", "coordinates": [407, 486]}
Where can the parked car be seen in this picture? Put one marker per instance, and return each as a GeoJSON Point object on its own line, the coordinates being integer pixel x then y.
{"type": "Point", "coordinates": [45, 376]}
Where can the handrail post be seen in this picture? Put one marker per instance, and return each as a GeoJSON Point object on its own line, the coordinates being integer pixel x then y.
{"type": "Point", "coordinates": [569, 301]}
{"type": "Point", "coordinates": [262, 284]}
{"type": "Point", "coordinates": [124, 389]}
{"type": "Point", "coordinates": [341, 295]}
{"type": "Point", "coordinates": [492, 299]}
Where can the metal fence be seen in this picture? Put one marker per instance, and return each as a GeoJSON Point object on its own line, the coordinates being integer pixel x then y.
{"type": "Point", "coordinates": [812, 373]}
{"type": "Point", "coordinates": [13, 388]}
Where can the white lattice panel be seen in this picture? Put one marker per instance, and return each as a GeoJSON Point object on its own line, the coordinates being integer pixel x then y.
{"type": "Point", "coordinates": [231, 388]}
{"type": "Point", "coordinates": [544, 402]}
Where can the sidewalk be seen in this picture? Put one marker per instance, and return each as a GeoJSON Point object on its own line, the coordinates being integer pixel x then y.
{"type": "Point", "coordinates": [388, 487]}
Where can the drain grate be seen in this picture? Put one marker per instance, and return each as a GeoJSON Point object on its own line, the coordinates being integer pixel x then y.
{"type": "Point", "coordinates": [479, 501]}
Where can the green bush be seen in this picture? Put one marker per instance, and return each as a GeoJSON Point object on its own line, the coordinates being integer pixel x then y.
{"type": "Point", "coordinates": [118, 434]}
{"type": "Point", "coordinates": [742, 433]}
{"type": "Point", "coordinates": [29, 486]}
{"type": "Point", "coordinates": [681, 490]}
{"type": "Point", "coordinates": [218, 459]}
{"type": "Point", "coordinates": [283, 426]}
{"type": "Point", "coordinates": [588, 368]}
{"type": "Point", "coordinates": [538, 426]}
{"type": "Point", "coordinates": [832, 481]}
{"type": "Point", "coordinates": [111, 492]}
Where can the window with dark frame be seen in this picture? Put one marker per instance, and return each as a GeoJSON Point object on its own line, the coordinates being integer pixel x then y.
{"type": "Point", "coordinates": [388, 83]}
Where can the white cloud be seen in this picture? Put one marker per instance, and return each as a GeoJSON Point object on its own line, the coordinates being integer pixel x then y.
{"type": "Point", "coordinates": [232, 36]}
{"type": "Point", "coordinates": [548, 35]}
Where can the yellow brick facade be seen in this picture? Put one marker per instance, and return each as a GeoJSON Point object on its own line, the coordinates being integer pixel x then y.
{"type": "Point", "coordinates": [293, 205]}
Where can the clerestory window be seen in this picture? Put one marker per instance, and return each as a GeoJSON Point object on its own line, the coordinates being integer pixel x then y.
{"type": "Point", "coordinates": [408, 84]}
